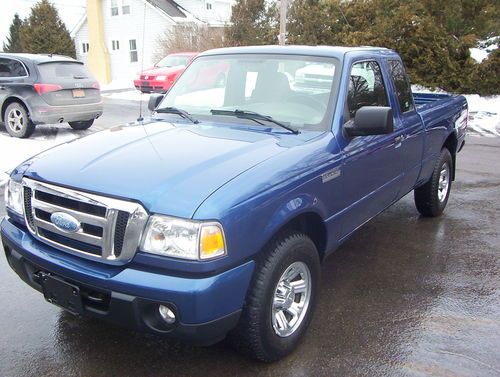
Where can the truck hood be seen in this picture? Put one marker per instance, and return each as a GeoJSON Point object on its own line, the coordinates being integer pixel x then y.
{"type": "Point", "coordinates": [169, 168]}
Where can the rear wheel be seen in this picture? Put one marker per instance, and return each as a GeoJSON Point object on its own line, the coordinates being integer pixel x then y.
{"type": "Point", "coordinates": [280, 302]}
{"type": "Point", "coordinates": [82, 125]}
{"type": "Point", "coordinates": [17, 121]}
{"type": "Point", "coordinates": [431, 198]}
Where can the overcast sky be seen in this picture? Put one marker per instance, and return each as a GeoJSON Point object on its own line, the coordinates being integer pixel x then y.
{"type": "Point", "coordinates": [70, 12]}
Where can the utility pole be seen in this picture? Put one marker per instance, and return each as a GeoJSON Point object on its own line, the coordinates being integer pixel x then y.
{"type": "Point", "coordinates": [283, 9]}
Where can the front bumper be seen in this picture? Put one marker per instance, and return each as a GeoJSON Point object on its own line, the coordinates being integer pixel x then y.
{"type": "Point", "coordinates": [152, 86]}
{"type": "Point", "coordinates": [206, 308]}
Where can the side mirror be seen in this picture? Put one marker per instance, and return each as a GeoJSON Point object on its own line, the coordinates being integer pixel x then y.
{"type": "Point", "coordinates": [154, 101]}
{"type": "Point", "coordinates": [371, 120]}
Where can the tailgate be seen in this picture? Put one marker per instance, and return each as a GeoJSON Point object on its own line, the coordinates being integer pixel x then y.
{"type": "Point", "coordinates": [70, 84]}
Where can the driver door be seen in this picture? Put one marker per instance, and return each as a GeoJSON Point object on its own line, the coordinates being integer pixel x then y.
{"type": "Point", "coordinates": [373, 167]}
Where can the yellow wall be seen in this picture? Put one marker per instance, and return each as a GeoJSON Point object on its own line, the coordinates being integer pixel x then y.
{"type": "Point", "coordinates": [98, 55]}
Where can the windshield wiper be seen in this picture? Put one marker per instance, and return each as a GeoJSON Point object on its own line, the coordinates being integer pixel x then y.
{"type": "Point", "coordinates": [245, 114]}
{"type": "Point", "coordinates": [180, 112]}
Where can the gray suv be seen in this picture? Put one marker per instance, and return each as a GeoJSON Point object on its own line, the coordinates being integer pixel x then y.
{"type": "Point", "coordinates": [38, 89]}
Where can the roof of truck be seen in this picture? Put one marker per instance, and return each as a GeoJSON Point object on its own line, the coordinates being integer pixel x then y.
{"type": "Point", "coordinates": [327, 51]}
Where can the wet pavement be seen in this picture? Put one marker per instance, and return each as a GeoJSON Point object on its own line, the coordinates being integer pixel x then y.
{"type": "Point", "coordinates": [405, 296]}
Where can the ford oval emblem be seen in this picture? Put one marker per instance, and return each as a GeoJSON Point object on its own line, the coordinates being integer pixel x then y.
{"type": "Point", "coordinates": [65, 222]}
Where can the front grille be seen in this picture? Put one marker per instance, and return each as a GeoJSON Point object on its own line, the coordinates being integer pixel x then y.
{"type": "Point", "coordinates": [121, 225]}
{"type": "Point", "coordinates": [27, 207]}
{"type": "Point", "coordinates": [106, 229]}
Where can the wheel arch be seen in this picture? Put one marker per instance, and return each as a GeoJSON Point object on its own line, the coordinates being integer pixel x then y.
{"type": "Point", "coordinates": [312, 225]}
{"type": "Point", "coordinates": [451, 143]}
{"type": "Point", "coordinates": [11, 100]}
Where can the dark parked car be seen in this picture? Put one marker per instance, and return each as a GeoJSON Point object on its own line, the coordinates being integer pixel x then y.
{"type": "Point", "coordinates": [38, 89]}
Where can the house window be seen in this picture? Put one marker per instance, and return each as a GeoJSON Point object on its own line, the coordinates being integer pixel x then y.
{"type": "Point", "coordinates": [133, 50]}
{"type": "Point", "coordinates": [208, 5]}
{"type": "Point", "coordinates": [125, 6]}
{"type": "Point", "coordinates": [85, 47]}
{"type": "Point", "coordinates": [114, 7]}
{"type": "Point", "coordinates": [115, 45]}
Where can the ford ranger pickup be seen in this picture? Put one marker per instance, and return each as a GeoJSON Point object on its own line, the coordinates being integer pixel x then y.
{"type": "Point", "coordinates": [212, 217]}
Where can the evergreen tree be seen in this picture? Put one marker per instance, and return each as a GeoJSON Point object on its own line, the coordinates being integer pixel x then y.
{"type": "Point", "coordinates": [13, 44]}
{"type": "Point", "coordinates": [44, 32]}
{"type": "Point", "coordinates": [253, 22]}
{"type": "Point", "coordinates": [433, 37]}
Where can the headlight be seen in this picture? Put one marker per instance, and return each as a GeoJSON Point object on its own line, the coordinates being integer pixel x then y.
{"type": "Point", "coordinates": [161, 78]}
{"type": "Point", "coordinates": [184, 239]}
{"type": "Point", "coordinates": [14, 197]}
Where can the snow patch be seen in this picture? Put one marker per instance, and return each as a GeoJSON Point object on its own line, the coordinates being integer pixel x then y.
{"type": "Point", "coordinates": [478, 54]}
{"type": "Point", "coordinates": [15, 150]}
{"type": "Point", "coordinates": [126, 83]}
{"type": "Point", "coordinates": [483, 49]}
{"type": "Point", "coordinates": [129, 95]}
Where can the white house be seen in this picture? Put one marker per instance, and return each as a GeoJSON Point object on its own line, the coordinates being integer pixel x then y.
{"type": "Point", "coordinates": [127, 31]}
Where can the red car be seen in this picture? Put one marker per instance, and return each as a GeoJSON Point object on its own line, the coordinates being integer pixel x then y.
{"type": "Point", "coordinates": [161, 77]}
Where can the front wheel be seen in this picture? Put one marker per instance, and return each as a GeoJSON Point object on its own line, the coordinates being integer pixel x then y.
{"type": "Point", "coordinates": [82, 125]}
{"type": "Point", "coordinates": [432, 197]}
{"type": "Point", "coordinates": [281, 299]}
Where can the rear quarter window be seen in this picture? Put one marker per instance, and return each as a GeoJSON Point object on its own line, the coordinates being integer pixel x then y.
{"type": "Point", "coordinates": [12, 68]}
{"type": "Point", "coordinates": [403, 88]}
{"type": "Point", "coordinates": [63, 70]}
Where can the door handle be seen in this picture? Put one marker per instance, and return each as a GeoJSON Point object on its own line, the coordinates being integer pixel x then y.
{"type": "Point", "coordinates": [398, 140]}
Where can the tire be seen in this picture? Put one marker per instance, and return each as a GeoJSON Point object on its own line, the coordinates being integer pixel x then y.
{"type": "Point", "coordinates": [82, 125]}
{"type": "Point", "coordinates": [17, 121]}
{"type": "Point", "coordinates": [432, 197]}
{"type": "Point", "coordinates": [260, 332]}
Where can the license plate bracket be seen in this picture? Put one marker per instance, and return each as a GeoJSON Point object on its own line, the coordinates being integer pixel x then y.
{"type": "Point", "coordinates": [78, 93]}
{"type": "Point", "coordinates": [61, 293]}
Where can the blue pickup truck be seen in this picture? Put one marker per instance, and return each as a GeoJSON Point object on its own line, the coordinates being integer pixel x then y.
{"type": "Point", "coordinates": [213, 216]}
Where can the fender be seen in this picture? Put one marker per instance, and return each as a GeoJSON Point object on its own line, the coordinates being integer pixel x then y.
{"type": "Point", "coordinates": [303, 204]}
{"type": "Point", "coordinates": [14, 98]}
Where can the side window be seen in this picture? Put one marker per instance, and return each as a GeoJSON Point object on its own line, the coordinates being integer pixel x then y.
{"type": "Point", "coordinates": [125, 6]}
{"type": "Point", "coordinates": [133, 50]}
{"type": "Point", "coordinates": [114, 7]}
{"type": "Point", "coordinates": [12, 68]}
{"type": "Point", "coordinates": [17, 69]}
{"type": "Point", "coordinates": [366, 87]}
{"type": "Point", "coordinates": [4, 68]}
{"type": "Point", "coordinates": [403, 88]}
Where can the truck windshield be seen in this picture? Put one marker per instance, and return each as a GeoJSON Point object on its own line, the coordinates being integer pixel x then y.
{"type": "Point", "coordinates": [294, 90]}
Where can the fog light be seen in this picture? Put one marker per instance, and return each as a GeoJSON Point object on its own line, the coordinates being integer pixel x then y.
{"type": "Point", "coordinates": [167, 314]}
